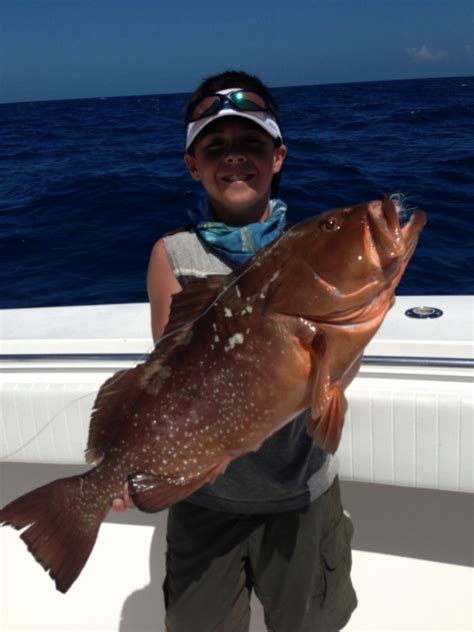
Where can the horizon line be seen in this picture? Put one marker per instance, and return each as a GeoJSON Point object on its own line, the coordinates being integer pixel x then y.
{"type": "Point", "coordinates": [280, 87]}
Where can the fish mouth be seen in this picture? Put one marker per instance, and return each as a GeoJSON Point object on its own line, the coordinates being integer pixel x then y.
{"type": "Point", "coordinates": [391, 240]}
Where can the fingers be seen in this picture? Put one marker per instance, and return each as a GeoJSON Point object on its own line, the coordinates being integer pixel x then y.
{"type": "Point", "coordinates": [118, 505]}
{"type": "Point", "coordinates": [125, 502]}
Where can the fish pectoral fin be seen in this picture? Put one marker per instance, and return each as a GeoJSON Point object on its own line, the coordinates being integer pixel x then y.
{"type": "Point", "coordinates": [151, 493]}
{"type": "Point", "coordinates": [328, 404]}
{"type": "Point", "coordinates": [326, 428]}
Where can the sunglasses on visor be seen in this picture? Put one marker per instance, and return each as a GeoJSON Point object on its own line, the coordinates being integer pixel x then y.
{"type": "Point", "coordinates": [240, 100]}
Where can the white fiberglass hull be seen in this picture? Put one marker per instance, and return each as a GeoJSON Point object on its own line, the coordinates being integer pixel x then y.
{"type": "Point", "coordinates": [405, 460]}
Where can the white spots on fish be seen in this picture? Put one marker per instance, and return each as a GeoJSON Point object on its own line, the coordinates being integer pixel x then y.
{"type": "Point", "coordinates": [247, 310]}
{"type": "Point", "coordinates": [274, 276]}
{"type": "Point", "coordinates": [227, 312]}
{"type": "Point", "coordinates": [178, 482]}
{"type": "Point", "coordinates": [216, 338]}
{"type": "Point", "coordinates": [236, 339]}
{"type": "Point", "coordinates": [214, 326]}
{"type": "Point", "coordinates": [193, 418]}
{"type": "Point", "coordinates": [200, 444]}
{"type": "Point", "coordinates": [237, 291]}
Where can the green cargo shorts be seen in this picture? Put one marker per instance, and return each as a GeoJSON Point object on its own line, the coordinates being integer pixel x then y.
{"type": "Point", "coordinates": [298, 563]}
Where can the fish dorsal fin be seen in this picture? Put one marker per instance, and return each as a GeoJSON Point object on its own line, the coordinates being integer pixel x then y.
{"type": "Point", "coordinates": [189, 304]}
{"type": "Point", "coordinates": [112, 408]}
{"type": "Point", "coordinates": [118, 394]}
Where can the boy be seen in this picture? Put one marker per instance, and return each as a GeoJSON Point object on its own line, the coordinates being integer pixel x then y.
{"type": "Point", "coordinates": [273, 521]}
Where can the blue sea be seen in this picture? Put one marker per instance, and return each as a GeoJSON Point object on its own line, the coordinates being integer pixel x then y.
{"type": "Point", "coordinates": [88, 185]}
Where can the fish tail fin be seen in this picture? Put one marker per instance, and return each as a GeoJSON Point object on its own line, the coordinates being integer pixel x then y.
{"type": "Point", "coordinates": [60, 528]}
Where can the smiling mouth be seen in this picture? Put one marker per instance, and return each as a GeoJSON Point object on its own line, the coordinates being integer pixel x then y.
{"type": "Point", "coordinates": [238, 177]}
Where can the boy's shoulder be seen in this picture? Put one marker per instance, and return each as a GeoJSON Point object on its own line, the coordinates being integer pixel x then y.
{"type": "Point", "coordinates": [187, 228]}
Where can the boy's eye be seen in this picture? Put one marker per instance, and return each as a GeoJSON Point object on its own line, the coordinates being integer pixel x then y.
{"type": "Point", "coordinates": [214, 143]}
{"type": "Point", "coordinates": [215, 139]}
{"type": "Point", "coordinates": [253, 140]}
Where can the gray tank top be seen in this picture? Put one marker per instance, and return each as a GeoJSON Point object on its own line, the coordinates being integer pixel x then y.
{"type": "Point", "coordinates": [289, 470]}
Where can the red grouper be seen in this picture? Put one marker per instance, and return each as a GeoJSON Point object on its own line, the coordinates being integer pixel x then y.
{"type": "Point", "coordinates": [241, 356]}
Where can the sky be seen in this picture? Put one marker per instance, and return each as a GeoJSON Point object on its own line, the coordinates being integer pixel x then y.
{"type": "Point", "coordinates": [68, 49]}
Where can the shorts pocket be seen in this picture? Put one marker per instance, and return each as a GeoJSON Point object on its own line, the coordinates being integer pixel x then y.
{"type": "Point", "coordinates": [339, 597]}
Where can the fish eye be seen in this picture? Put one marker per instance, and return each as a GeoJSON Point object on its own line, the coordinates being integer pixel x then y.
{"type": "Point", "coordinates": [329, 224]}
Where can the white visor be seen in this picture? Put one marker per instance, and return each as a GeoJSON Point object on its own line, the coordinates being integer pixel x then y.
{"type": "Point", "coordinates": [264, 119]}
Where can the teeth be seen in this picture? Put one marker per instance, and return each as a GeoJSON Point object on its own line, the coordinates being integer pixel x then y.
{"type": "Point", "coordinates": [237, 178]}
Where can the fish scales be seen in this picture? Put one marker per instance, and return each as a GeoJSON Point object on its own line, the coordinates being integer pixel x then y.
{"type": "Point", "coordinates": [241, 356]}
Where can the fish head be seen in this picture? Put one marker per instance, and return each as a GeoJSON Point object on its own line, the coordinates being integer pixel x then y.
{"type": "Point", "coordinates": [361, 248]}
{"type": "Point", "coordinates": [344, 262]}
{"type": "Point", "coordinates": [338, 278]}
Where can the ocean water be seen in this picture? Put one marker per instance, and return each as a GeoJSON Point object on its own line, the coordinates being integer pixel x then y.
{"type": "Point", "coordinates": [88, 185]}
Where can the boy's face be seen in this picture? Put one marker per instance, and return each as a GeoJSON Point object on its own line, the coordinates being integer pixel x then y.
{"type": "Point", "coordinates": [235, 160]}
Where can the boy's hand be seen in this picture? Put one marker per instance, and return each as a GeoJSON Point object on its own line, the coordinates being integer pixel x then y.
{"type": "Point", "coordinates": [122, 503]}
{"type": "Point", "coordinates": [126, 502]}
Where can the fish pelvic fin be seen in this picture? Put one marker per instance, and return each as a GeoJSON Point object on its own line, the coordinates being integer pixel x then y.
{"type": "Point", "coordinates": [151, 493]}
{"type": "Point", "coordinates": [57, 531]}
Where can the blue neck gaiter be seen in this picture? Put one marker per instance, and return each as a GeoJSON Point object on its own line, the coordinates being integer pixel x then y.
{"type": "Point", "coordinates": [238, 243]}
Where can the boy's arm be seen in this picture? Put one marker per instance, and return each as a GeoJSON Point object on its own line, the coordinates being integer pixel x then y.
{"type": "Point", "coordinates": [161, 284]}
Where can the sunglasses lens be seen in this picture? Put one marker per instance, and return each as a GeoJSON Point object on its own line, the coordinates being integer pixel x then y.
{"type": "Point", "coordinates": [205, 107]}
{"type": "Point", "coordinates": [245, 100]}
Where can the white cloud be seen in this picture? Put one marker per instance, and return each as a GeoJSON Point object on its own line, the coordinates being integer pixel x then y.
{"type": "Point", "coordinates": [425, 54]}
